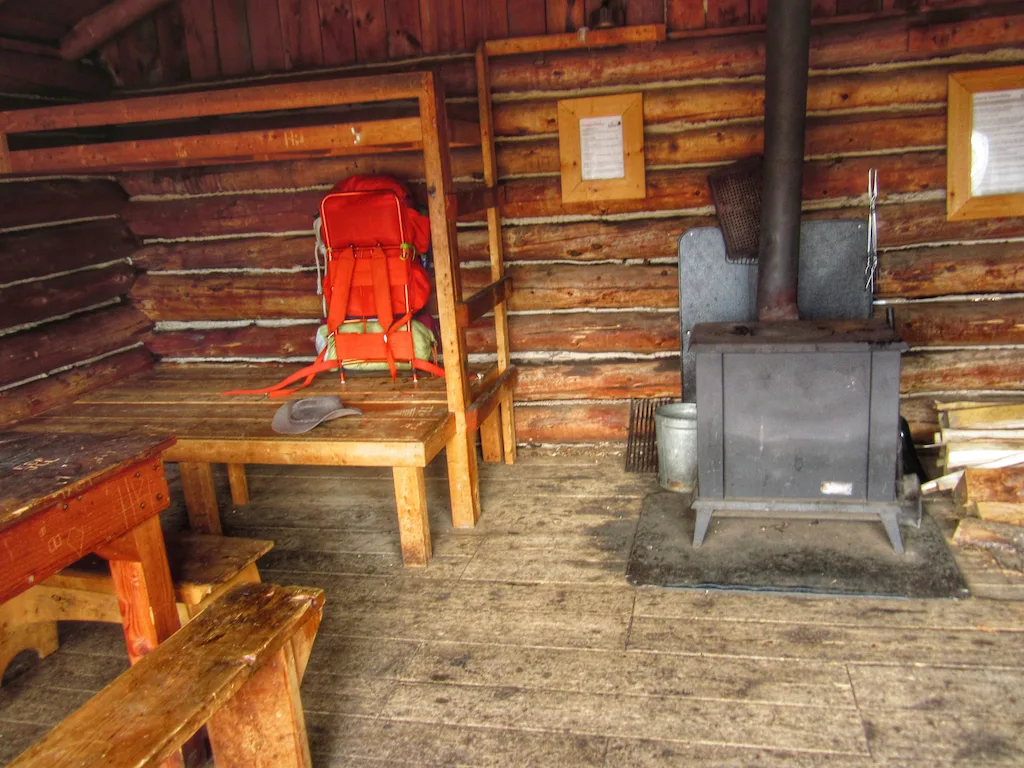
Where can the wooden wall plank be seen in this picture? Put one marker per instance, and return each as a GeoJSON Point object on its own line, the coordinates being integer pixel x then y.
{"type": "Point", "coordinates": [233, 44]}
{"type": "Point", "coordinates": [823, 8]}
{"type": "Point", "coordinates": [139, 50]}
{"type": "Point", "coordinates": [300, 32]}
{"type": "Point", "coordinates": [497, 18]}
{"type": "Point", "coordinates": [404, 31]}
{"type": "Point", "coordinates": [34, 398]}
{"type": "Point", "coordinates": [564, 16]}
{"type": "Point", "coordinates": [265, 40]}
{"type": "Point", "coordinates": [845, 7]}
{"type": "Point", "coordinates": [728, 13]}
{"type": "Point", "coordinates": [35, 253]}
{"type": "Point", "coordinates": [170, 31]}
{"type": "Point", "coordinates": [25, 203]}
{"type": "Point", "coordinates": [645, 12]}
{"type": "Point", "coordinates": [370, 30]}
{"type": "Point", "coordinates": [56, 345]}
{"type": "Point", "coordinates": [42, 299]}
{"type": "Point", "coordinates": [961, 323]}
{"type": "Point", "coordinates": [49, 75]}
{"type": "Point", "coordinates": [685, 14]}
{"type": "Point", "coordinates": [759, 11]}
{"type": "Point", "coordinates": [474, 22]}
{"type": "Point", "coordinates": [200, 38]}
{"type": "Point", "coordinates": [429, 23]}
{"type": "Point", "coordinates": [451, 31]}
{"type": "Point", "coordinates": [337, 31]}
{"type": "Point", "coordinates": [527, 17]}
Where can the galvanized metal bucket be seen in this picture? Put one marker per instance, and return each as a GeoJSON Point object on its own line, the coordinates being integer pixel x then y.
{"type": "Point", "coordinates": [675, 428]}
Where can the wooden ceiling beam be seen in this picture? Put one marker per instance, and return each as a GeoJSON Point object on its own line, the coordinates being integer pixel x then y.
{"type": "Point", "coordinates": [109, 21]}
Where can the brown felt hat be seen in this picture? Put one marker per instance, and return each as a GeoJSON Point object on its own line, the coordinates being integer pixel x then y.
{"type": "Point", "coordinates": [298, 416]}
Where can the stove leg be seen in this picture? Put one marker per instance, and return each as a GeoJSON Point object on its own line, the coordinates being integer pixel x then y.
{"type": "Point", "coordinates": [890, 519]}
{"type": "Point", "coordinates": [701, 526]}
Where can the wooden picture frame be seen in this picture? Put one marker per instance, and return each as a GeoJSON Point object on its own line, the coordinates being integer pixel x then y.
{"type": "Point", "coordinates": [968, 172]}
{"type": "Point", "coordinates": [588, 133]}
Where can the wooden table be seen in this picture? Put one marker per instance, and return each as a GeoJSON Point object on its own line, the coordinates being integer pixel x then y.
{"type": "Point", "coordinates": [63, 497]}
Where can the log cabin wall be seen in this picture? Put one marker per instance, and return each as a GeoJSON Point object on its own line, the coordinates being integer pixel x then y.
{"type": "Point", "coordinates": [226, 251]}
{"type": "Point", "coordinates": [65, 271]}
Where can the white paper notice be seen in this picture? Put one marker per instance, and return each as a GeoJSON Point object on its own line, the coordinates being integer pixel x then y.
{"type": "Point", "coordinates": [601, 148]}
{"type": "Point", "coordinates": [997, 143]}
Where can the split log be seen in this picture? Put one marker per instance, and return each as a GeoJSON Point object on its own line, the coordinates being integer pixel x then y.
{"type": "Point", "coordinates": [275, 295]}
{"type": "Point", "coordinates": [56, 345]}
{"type": "Point", "coordinates": [40, 252]}
{"type": "Point", "coordinates": [961, 323]}
{"type": "Point", "coordinates": [956, 269]}
{"type": "Point", "coordinates": [740, 99]}
{"type": "Point", "coordinates": [26, 203]}
{"type": "Point", "coordinates": [628, 331]}
{"type": "Point", "coordinates": [925, 223]}
{"type": "Point", "coordinates": [249, 252]}
{"type": "Point", "coordinates": [527, 198]}
{"type": "Point", "coordinates": [999, 485]}
{"type": "Point", "coordinates": [988, 416]}
{"type": "Point", "coordinates": [577, 423]}
{"type": "Point", "coordinates": [640, 332]}
{"type": "Point", "coordinates": [921, 416]}
{"type": "Point", "coordinates": [599, 380]}
{"type": "Point", "coordinates": [741, 55]}
{"type": "Point", "coordinates": [993, 369]}
{"type": "Point", "coordinates": [31, 399]}
{"type": "Point", "coordinates": [36, 301]}
{"type": "Point", "coordinates": [990, 535]}
{"type": "Point", "coordinates": [106, 23]}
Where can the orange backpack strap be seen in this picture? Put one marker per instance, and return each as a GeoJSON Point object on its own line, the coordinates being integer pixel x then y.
{"type": "Point", "coordinates": [344, 263]}
{"type": "Point", "coordinates": [280, 389]}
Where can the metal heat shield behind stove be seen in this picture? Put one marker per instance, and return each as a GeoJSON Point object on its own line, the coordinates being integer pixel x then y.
{"type": "Point", "coordinates": [715, 290]}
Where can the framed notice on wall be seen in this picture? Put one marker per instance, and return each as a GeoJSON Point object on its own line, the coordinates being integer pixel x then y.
{"type": "Point", "coordinates": [601, 145]}
{"type": "Point", "coordinates": [985, 137]}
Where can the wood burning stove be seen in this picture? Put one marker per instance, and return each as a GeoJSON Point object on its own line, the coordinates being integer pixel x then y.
{"type": "Point", "coordinates": [798, 418]}
{"type": "Point", "coordinates": [794, 417]}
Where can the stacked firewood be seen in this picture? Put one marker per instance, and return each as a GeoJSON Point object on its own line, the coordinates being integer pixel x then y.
{"type": "Point", "coordinates": [982, 454]}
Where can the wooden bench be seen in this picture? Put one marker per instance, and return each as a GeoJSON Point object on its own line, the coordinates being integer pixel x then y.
{"type": "Point", "coordinates": [202, 568]}
{"type": "Point", "coordinates": [235, 668]}
{"type": "Point", "coordinates": [404, 426]}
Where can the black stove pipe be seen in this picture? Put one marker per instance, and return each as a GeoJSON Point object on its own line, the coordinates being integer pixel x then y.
{"type": "Point", "coordinates": [785, 112]}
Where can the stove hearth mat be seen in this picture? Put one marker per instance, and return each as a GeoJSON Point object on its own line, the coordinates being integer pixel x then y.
{"type": "Point", "coordinates": [796, 556]}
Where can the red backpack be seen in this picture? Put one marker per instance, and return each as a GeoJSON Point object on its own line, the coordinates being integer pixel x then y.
{"type": "Point", "coordinates": [372, 237]}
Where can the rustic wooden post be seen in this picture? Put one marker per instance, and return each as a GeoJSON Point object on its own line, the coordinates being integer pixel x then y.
{"type": "Point", "coordinates": [461, 449]}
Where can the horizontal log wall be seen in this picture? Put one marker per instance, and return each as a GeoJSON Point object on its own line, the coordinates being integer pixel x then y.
{"type": "Point", "coordinates": [227, 254]}
{"type": "Point", "coordinates": [65, 270]}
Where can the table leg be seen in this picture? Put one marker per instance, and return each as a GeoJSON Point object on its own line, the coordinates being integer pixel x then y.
{"type": "Point", "coordinates": [142, 581]}
{"type": "Point", "coordinates": [413, 526]}
{"type": "Point", "coordinates": [200, 497]}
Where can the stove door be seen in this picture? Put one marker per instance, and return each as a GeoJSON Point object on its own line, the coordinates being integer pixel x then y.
{"type": "Point", "coordinates": [796, 425]}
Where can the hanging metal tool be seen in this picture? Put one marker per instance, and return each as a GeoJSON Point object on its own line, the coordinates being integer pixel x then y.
{"type": "Point", "coordinates": [871, 267]}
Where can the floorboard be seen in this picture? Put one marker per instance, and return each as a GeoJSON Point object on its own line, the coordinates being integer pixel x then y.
{"type": "Point", "coordinates": [521, 644]}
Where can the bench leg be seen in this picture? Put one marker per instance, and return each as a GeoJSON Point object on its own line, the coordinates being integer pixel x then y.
{"type": "Point", "coordinates": [463, 483]}
{"type": "Point", "coordinates": [413, 526]}
{"type": "Point", "coordinates": [239, 484]}
{"type": "Point", "coordinates": [508, 427]}
{"type": "Point", "coordinates": [490, 437]}
{"type": "Point", "coordinates": [200, 497]}
{"type": "Point", "coordinates": [263, 723]}
{"type": "Point", "coordinates": [22, 628]}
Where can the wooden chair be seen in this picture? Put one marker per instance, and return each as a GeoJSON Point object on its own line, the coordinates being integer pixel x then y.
{"type": "Point", "coordinates": [202, 568]}
{"type": "Point", "coordinates": [235, 668]}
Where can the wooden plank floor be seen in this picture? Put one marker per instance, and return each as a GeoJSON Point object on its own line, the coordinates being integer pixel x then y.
{"type": "Point", "coordinates": [522, 645]}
